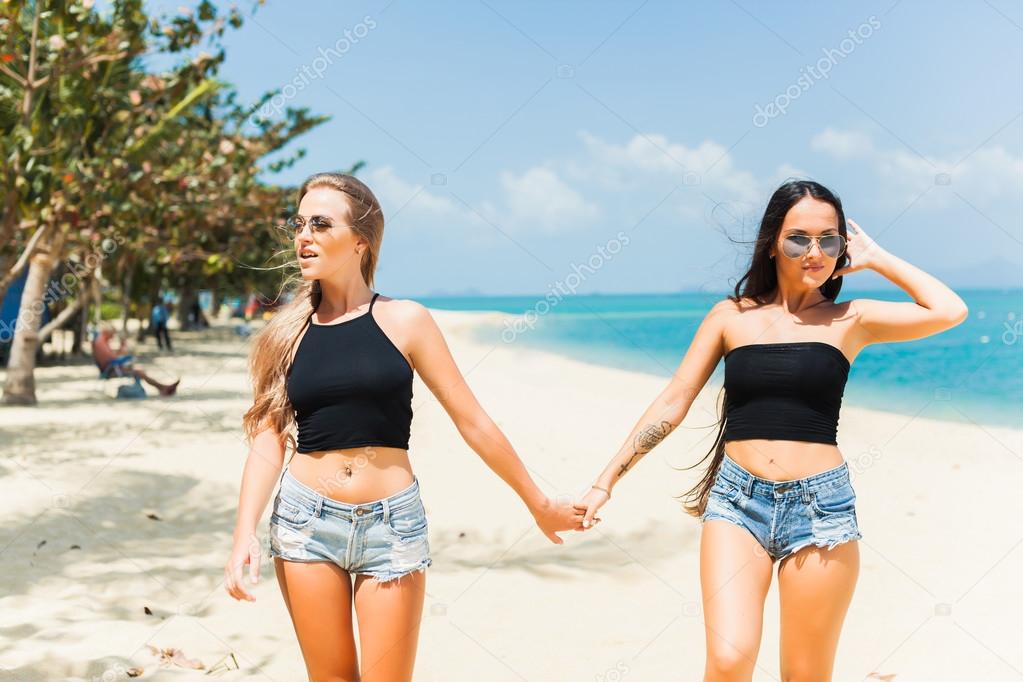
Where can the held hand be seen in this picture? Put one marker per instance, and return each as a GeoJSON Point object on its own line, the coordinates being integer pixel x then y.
{"type": "Point", "coordinates": [245, 551]}
{"type": "Point", "coordinates": [863, 252]}
{"type": "Point", "coordinates": [589, 504]}
{"type": "Point", "coordinates": [553, 516]}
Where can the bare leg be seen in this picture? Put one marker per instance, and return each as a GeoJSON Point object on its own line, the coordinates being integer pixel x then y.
{"type": "Point", "coordinates": [815, 589]}
{"type": "Point", "coordinates": [319, 598]}
{"type": "Point", "coordinates": [735, 574]}
{"type": "Point", "coordinates": [389, 614]}
{"type": "Point", "coordinates": [165, 389]}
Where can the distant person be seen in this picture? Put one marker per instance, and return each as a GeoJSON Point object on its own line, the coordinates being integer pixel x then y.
{"type": "Point", "coordinates": [199, 320]}
{"type": "Point", "coordinates": [159, 317]}
{"type": "Point", "coordinates": [120, 363]}
{"type": "Point", "coordinates": [251, 306]}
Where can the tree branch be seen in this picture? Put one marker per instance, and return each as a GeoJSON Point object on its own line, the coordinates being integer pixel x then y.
{"type": "Point", "coordinates": [27, 102]}
{"type": "Point", "coordinates": [11, 74]}
{"type": "Point", "coordinates": [24, 258]}
{"type": "Point", "coordinates": [62, 318]}
{"type": "Point", "coordinates": [95, 59]}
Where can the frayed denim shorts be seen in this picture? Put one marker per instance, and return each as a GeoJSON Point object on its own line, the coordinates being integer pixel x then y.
{"type": "Point", "coordinates": [385, 539]}
{"type": "Point", "coordinates": [786, 516]}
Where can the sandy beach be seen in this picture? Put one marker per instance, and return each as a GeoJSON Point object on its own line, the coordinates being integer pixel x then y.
{"type": "Point", "coordinates": [119, 517]}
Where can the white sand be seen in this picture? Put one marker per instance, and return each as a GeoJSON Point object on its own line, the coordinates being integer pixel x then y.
{"type": "Point", "coordinates": [939, 595]}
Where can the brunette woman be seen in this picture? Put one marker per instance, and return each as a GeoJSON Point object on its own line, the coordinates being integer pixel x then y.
{"type": "Point", "coordinates": [777, 488]}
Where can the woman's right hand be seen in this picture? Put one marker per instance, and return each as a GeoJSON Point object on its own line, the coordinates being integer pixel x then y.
{"type": "Point", "coordinates": [589, 504]}
{"type": "Point", "coordinates": [246, 550]}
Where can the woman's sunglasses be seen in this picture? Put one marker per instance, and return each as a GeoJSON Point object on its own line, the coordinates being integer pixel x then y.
{"type": "Point", "coordinates": [798, 245]}
{"type": "Point", "coordinates": [318, 224]}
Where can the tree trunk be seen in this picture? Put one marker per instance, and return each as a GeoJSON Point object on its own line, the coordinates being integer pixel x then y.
{"type": "Point", "coordinates": [80, 320]}
{"type": "Point", "coordinates": [185, 302]}
{"type": "Point", "coordinates": [126, 294]}
{"type": "Point", "coordinates": [20, 387]}
{"type": "Point", "coordinates": [215, 302]}
{"type": "Point", "coordinates": [8, 276]}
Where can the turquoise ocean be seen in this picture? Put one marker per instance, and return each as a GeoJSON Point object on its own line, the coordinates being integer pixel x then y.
{"type": "Point", "coordinates": [971, 373]}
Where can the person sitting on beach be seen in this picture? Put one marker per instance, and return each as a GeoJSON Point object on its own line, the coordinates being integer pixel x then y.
{"type": "Point", "coordinates": [120, 363]}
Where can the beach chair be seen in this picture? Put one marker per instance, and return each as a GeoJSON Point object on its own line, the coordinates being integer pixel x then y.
{"type": "Point", "coordinates": [131, 390]}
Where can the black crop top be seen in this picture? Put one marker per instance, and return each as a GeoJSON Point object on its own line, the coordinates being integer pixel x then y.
{"type": "Point", "coordinates": [784, 391]}
{"type": "Point", "coordinates": [350, 387]}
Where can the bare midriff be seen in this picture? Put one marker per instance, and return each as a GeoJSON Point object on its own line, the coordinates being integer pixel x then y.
{"type": "Point", "coordinates": [354, 475]}
{"type": "Point", "coordinates": [783, 460]}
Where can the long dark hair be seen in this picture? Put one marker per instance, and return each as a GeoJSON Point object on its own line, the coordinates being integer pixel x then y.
{"type": "Point", "coordinates": [759, 284]}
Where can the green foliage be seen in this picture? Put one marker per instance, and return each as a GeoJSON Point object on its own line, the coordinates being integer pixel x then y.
{"type": "Point", "coordinates": [166, 164]}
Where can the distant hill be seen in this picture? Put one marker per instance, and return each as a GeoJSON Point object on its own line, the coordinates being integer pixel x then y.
{"type": "Point", "coordinates": [993, 274]}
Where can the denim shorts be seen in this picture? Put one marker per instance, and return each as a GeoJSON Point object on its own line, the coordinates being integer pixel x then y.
{"type": "Point", "coordinates": [785, 516]}
{"type": "Point", "coordinates": [385, 539]}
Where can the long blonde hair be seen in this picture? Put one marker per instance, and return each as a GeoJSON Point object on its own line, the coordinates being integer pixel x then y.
{"type": "Point", "coordinates": [273, 347]}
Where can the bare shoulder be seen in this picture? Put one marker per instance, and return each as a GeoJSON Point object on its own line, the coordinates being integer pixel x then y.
{"type": "Point", "coordinates": [719, 319]}
{"type": "Point", "coordinates": [404, 312]}
{"type": "Point", "coordinates": [859, 306]}
{"type": "Point", "coordinates": [728, 308]}
{"type": "Point", "coordinates": [725, 307]}
{"type": "Point", "coordinates": [869, 316]}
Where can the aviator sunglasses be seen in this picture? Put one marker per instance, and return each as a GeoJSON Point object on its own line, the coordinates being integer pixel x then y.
{"type": "Point", "coordinates": [798, 245]}
{"type": "Point", "coordinates": [318, 224]}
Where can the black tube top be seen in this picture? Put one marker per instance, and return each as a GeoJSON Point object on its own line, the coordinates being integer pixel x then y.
{"type": "Point", "coordinates": [784, 391]}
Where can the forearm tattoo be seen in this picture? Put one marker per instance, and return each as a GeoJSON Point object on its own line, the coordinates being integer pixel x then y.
{"type": "Point", "coordinates": [649, 436]}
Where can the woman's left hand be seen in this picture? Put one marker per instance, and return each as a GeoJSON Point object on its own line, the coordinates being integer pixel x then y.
{"type": "Point", "coordinates": [863, 252]}
{"type": "Point", "coordinates": [557, 515]}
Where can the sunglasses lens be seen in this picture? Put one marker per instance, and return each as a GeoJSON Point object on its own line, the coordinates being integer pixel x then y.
{"type": "Point", "coordinates": [832, 245]}
{"type": "Point", "coordinates": [794, 246]}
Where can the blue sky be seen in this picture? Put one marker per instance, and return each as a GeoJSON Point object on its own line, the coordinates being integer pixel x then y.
{"type": "Point", "coordinates": [510, 141]}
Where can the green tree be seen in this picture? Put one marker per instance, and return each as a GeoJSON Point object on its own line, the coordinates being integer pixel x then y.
{"type": "Point", "coordinates": [106, 164]}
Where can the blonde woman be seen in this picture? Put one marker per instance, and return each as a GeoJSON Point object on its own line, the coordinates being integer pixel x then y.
{"type": "Point", "coordinates": [348, 524]}
{"type": "Point", "coordinates": [778, 489]}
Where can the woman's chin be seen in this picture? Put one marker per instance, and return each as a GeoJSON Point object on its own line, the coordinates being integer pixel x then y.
{"type": "Point", "coordinates": [816, 279]}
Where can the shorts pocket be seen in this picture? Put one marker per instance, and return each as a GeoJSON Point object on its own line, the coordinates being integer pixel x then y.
{"type": "Point", "coordinates": [840, 500]}
{"type": "Point", "coordinates": [726, 490]}
{"type": "Point", "coordinates": [293, 514]}
{"type": "Point", "coordinates": [409, 521]}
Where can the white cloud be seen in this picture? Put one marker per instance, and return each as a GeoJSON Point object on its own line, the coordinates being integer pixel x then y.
{"type": "Point", "coordinates": [786, 171]}
{"type": "Point", "coordinates": [991, 173]}
{"type": "Point", "coordinates": [632, 164]}
{"type": "Point", "coordinates": [396, 194]}
{"type": "Point", "coordinates": [987, 174]}
{"type": "Point", "coordinates": [843, 144]}
{"type": "Point", "coordinates": [535, 199]}
{"type": "Point", "coordinates": [539, 197]}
